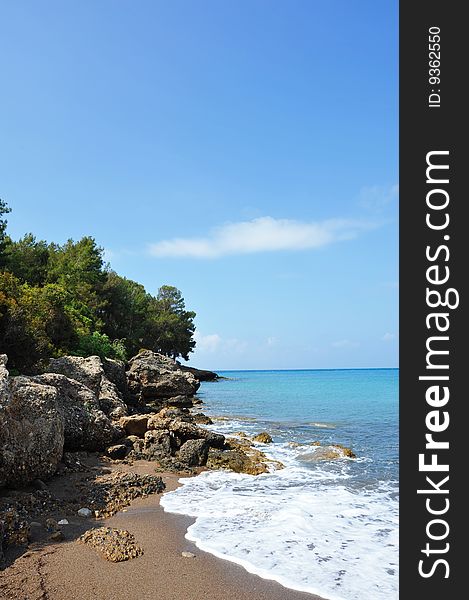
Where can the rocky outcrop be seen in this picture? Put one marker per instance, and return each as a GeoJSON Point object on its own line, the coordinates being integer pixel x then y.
{"type": "Point", "coordinates": [115, 372]}
{"type": "Point", "coordinates": [200, 374]}
{"type": "Point", "coordinates": [154, 377]}
{"type": "Point", "coordinates": [31, 431]}
{"type": "Point", "coordinates": [110, 400]}
{"type": "Point", "coordinates": [105, 378]}
{"type": "Point", "coordinates": [86, 427]}
{"type": "Point", "coordinates": [171, 438]}
{"type": "Point", "coordinates": [87, 371]}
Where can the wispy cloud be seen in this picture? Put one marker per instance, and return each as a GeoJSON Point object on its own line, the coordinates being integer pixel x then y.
{"type": "Point", "coordinates": [389, 337]}
{"type": "Point", "coordinates": [207, 343]}
{"type": "Point", "coordinates": [264, 234]}
{"type": "Point", "coordinates": [376, 197]}
{"type": "Point", "coordinates": [213, 342]}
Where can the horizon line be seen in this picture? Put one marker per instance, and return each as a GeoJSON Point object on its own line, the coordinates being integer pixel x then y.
{"type": "Point", "coordinates": [307, 369]}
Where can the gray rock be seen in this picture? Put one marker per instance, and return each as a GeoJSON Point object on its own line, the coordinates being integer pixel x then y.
{"type": "Point", "coordinates": [103, 378]}
{"type": "Point", "coordinates": [87, 371]}
{"type": "Point", "coordinates": [115, 372]}
{"type": "Point", "coordinates": [179, 402]}
{"type": "Point", "coordinates": [3, 374]}
{"type": "Point", "coordinates": [86, 427]}
{"type": "Point", "coordinates": [202, 419]}
{"type": "Point", "coordinates": [86, 513]}
{"type": "Point", "coordinates": [153, 375]}
{"type": "Point", "coordinates": [31, 431]}
{"type": "Point", "coordinates": [188, 431]}
{"type": "Point", "coordinates": [194, 453]}
{"type": "Point", "coordinates": [110, 399]}
{"type": "Point", "coordinates": [157, 445]}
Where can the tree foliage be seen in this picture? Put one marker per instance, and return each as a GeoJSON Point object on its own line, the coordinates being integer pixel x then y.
{"type": "Point", "coordinates": [62, 299]}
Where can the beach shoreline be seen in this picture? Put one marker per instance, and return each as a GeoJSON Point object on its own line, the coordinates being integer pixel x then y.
{"type": "Point", "coordinates": [69, 569]}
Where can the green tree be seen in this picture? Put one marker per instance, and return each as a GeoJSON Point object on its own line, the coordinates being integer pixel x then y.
{"type": "Point", "coordinates": [174, 324]}
{"type": "Point", "coordinates": [79, 268]}
{"type": "Point", "coordinates": [126, 311]}
{"type": "Point", "coordinates": [62, 299]}
{"type": "Point", "coordinates": [4, 209]}
{"type": "Point", "coordinates": [34, 324]}
{"type": "Point", "coordinates": [27, 259]}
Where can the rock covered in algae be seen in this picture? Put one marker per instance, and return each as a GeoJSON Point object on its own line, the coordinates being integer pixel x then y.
{"type": "Point", "coordinates": [237, 461]}
{"type": "Point", "coordinates": [115, 545]}
{"type": "Point", "coordinates": [263, 437]}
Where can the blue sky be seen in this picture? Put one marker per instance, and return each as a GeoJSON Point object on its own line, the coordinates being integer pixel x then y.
{"type": "Point", "coordinates": [244, 151]}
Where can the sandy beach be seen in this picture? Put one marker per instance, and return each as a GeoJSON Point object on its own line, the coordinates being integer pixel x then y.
{"type": "Point", "coordinates": [71, 570]}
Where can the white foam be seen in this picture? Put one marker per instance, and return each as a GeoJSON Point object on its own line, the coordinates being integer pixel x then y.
{"type": "Point", "coordinates": [302, 527]}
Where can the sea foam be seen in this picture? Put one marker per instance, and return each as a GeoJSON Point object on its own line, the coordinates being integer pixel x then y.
{"type": "Point", "coordinates": [310, 529]}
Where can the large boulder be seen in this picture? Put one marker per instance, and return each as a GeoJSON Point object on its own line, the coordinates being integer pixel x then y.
{"type": "Point", "coordinates": [194, 453]}
{"type": "Point", "coordinates": [87, 371]}
{"type": "Point", "coordinates": [86, 427]}
{"type": "Point", "coordinates": [110, 399]}
{"type": "Point", "coordinates": [237, 461]}
{"type": "Point", "coordinates": [115, 372]}
{"type": "Point", "coordinates": [153, 376]}
{"type": "Point", "coordinates": [31, 430]}
{"type": "Point", "coordinates": [105, 378]}
{"type": "Point", "coordinates": [135, 425]}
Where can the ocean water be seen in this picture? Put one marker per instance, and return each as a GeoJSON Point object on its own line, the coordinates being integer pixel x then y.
{"type": "Point", "coordinates": [328, 527]}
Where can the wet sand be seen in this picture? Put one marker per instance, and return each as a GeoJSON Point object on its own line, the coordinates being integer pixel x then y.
{"type": "Point", "coordinates": [72, 571]}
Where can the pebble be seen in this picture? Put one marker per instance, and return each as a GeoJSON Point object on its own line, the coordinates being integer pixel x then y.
{"type": "Point", "coordinates": [187, 554]}
{"type": "Point", "coordinates": [85, 512]}
{"type": "Point", "coordinates": [35, 524]}
{"type": "Point", "coordinates": [57, 536]}
{"type": "Point", "coordinates": [63, 522]}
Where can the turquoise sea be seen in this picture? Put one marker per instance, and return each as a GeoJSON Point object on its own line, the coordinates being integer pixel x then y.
{"type": "Point", "coordinates": [328, 527]}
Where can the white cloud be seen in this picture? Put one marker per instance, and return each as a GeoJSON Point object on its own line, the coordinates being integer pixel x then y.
{"type": "Point", "coordinates": [207, 343]}
{"type": "Point", "coordinates": [264, 234]}
{"type": "Point", "coordinates": [376, 197]}
{"type": "Point", "coordinates": [213, 342]}
{"type": "Point", "coordinates": [389, 337]}
{"type": "Point", "coordinates": [345, 344]}
{"type": "Point", "coordinates": [271, 341]}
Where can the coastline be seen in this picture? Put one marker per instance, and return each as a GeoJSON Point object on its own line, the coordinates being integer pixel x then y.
{"type": "Point", "coordinates": [68, 569]}
{"type": "Point", "coordinates": [114, 497]}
